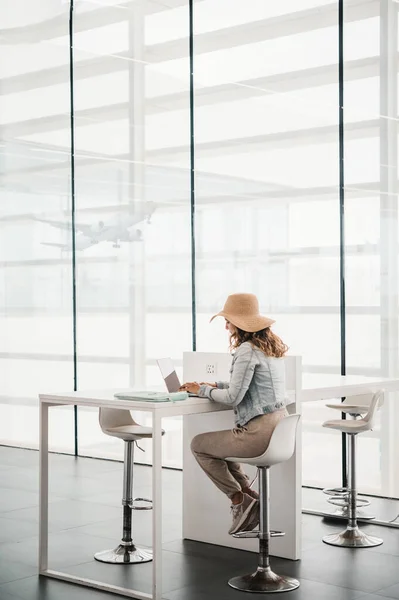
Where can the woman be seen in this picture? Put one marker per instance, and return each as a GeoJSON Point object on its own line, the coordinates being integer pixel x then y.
{"type": "Point", "coordinates": [257, 392]}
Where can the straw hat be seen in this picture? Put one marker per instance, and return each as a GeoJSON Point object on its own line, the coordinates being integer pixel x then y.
{"type": "Point", "coordinates": [242, 310]}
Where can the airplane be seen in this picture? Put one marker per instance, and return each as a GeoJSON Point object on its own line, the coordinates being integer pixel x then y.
{"type": "Point", "coordinates": [115, 231]}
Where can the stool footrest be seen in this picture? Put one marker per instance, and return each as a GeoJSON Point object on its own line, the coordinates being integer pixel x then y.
{"type": "Point", "coordinates": [337, 492]}
{"type": "Point", "coordinates": [255, 534]}
{"type": "Point", "coordinates": [136, 506]}
{"type": "Point", "coordinates": [246, 534]}
{"type": "Point", "coordinates": [274, 533]}
{"type": "Point", "coordinates": [344, 502]}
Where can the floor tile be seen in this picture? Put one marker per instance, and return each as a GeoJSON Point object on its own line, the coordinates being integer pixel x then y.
{"type": "Point", "coordinates": [220, 590]}
{"type": "Point", "coordinates": [12, 499]}
{"type": "Point", "coordinates": [111, 498]}
{"type": "Point", "coordinates": [372, 597]}
{"type": "Point", "coordinates": [80, 466]}
{"type": "Point", "coordinates": [141, 532]}
{"type": "Point", "coordinates": [11, 570]}
{"type": "Point", "coordinates": [360, 569]}
{"type": "Point", "coordinates": [389, 536]}
{"type": "Point", "coordinates": [390, 592]}
{"type": "Point", "coordinates": [178, 571]}
{"type": "Point", "coordinates": [221, 553]}
{"type": "Point", "coordinates": [14, 530]}
{"type": "Point", "coordinates": [65, 548]}
{"type": "Point", "coordinates": [60, 484]}
{"type": "Point", "coordinates": [18, 457]}
{"type": "Point", "coordinates": [4, 467]}
{"type": "Point", "coordinates": [44, 588]}
{"type": "Point", "coordinates": [7, 596]}
{"type": "Point", "coordinates": [67, 514]}
{"type": "Point", "coordinates": [20, 478]}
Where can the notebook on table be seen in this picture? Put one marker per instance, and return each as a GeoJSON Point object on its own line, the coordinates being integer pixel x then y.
{"type": "Point", "coordinates": [151, 396]}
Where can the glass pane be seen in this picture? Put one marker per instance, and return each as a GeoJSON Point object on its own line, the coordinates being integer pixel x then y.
{"type": "Point", "coordinates": [267, 137]}
{"type": "Point", "coordinates": [36, 340]}
{"type": "Point", "coordinates": [371, 173]}
{"type": "Point", "coordinates": [133, 209]}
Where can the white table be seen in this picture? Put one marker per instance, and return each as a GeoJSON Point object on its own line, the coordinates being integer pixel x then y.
{"type": "Point", "coordinates": [105, 399]}
{"type": "Point", "coordinates": [324, 387]}
{"type": "Point", "coordinates": [315, 387]}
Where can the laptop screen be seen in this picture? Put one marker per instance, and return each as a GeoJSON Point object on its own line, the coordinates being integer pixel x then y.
{"type": "Point", "coordinates": [169, 374]}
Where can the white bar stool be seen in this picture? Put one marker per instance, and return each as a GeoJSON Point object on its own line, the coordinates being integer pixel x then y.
{"type": "Point", "coordinates": [355, 407]}
{"type": "Point", "coordinates": [352, 536]}
{"type": "Point", "coordinates": [119, 423]}
{"type": "Point", "coordinates": [280, 449]}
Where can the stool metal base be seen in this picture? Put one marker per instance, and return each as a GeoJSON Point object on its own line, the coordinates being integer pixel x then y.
{"type": "Point", "coordinates": [125, 555]}
{"type": "Point", "coordinates": [264, 581]}
{"type": "Point", "coordinates": [352, 537]}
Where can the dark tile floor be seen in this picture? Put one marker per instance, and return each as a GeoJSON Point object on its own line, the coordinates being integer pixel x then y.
{"type": "Point", "coordinates": [85, 516]}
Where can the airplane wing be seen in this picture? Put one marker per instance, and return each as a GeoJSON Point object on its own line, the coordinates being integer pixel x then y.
{"type": "Point", "coordinates": [82, 243]}
{"type": "Point", "coordinates": [59, 224]}
{"type": "Point", "coordinates": [67, 225]}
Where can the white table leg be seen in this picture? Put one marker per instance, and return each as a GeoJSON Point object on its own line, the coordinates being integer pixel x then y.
{"type": "Point", "coordinates": [43, 489]}
{"type": "Point", "coordinates": [157, 506]}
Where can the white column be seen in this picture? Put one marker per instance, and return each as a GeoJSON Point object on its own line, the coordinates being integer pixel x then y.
{"type": "Point", "coordinates": [137, 299]}
{"type": "Point", "coordinates": [389, 238]}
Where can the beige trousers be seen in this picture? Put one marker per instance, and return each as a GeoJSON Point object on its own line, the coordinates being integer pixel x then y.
{"type": "Point", "coordinates": [252, 439]}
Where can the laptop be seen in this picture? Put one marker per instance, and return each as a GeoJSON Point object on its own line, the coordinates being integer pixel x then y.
{"type": "Point", "coordinates": [169, 375]}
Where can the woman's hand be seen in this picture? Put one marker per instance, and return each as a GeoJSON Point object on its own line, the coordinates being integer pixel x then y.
{"type": "Point", "coordinates": [191, 387]}
{"type": "Point", "coordinates": [207, 383]}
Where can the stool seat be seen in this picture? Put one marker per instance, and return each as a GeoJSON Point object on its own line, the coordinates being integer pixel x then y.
{"type": "Point", "coordinates": [280, 448]}
{"type": "Point", "coordinates": [349, 409]}
{"type": "Point", "coordinates": [129, 433]}
{"type": "Point", "coordinates": [346, 426]}
{"type": "Point", "coordinates": [356, 405]}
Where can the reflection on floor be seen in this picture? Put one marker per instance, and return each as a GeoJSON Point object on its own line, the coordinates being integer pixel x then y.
{"type": "Point", "coordinates": [383, 509]}
{"type": "Point", "coordinates": [85, 517]}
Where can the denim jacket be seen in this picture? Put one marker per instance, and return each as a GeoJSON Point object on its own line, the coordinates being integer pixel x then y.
{"type": "Point", "coordinates": [256, 387]}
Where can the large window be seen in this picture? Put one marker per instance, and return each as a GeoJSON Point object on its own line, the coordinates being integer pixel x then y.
{"type": "Point", "coordinates": [36, 321]}
{"type": "Point", "coordinates": [267, 126]}
{"type": "Point", "coordinates": [265, 118]}
{"type": "Point", "coordinates": [371, 100]}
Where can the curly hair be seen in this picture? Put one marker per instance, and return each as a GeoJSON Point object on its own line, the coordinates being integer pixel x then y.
{"type": "Point", "coordinates": [265, 340]}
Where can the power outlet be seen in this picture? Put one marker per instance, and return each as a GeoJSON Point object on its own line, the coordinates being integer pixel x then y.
{"type": "Point", "coordinates": [211, 369]}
